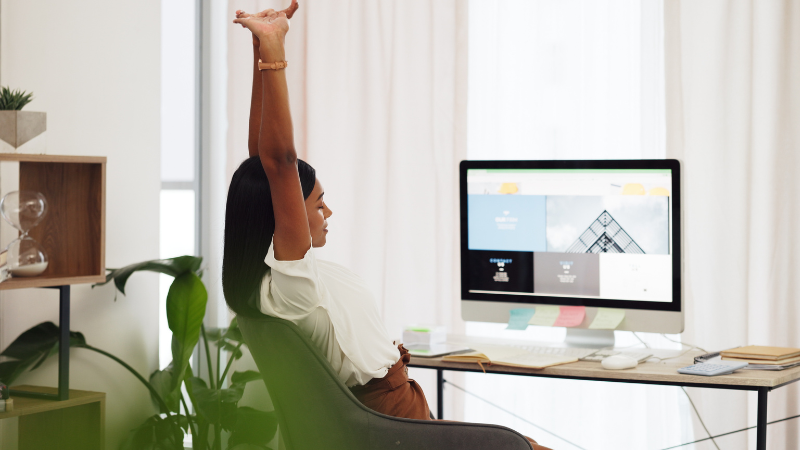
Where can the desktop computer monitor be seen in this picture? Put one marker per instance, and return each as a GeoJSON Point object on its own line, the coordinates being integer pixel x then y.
{"type": "Point", "coordinates": [600, 234]}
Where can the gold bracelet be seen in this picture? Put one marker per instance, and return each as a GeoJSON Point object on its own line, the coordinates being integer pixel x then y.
{"type": "Point", "coordinates": [273, 66]}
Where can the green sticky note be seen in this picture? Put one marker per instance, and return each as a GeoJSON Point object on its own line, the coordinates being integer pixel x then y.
{"type": "Point", "coordinates": [545, 316]}
{"type": "Point", "coordinates": [518, 318]}
{"type": "Point", "coordinates": [607, 319]}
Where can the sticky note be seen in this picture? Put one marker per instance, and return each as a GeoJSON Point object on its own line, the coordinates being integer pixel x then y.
{"type": "Point", "coordinates": [545, 316]}
{"type": "Point", "coordinates": [518, 318]}
{"type": "Point", "coordinates": [571, 316]}
{"type": "Point", "coordinates": [607, 319]}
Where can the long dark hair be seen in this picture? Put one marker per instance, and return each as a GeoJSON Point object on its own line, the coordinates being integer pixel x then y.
{"type": "Point", "coordinates": [249, 226]}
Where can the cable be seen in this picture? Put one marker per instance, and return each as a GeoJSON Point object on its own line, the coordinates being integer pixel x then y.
{"type": "Point", "coordinates": [700, 418]}
{"type": "Point", "coordinates": [691, 347]}
{"type": "Point", "coordinates": [731, 432]}
{"type": "Point", "coordinates": [512, 414]}
{"type": "Point", "coordinates": [671, 357]}
{"type": "Point", "coordinates": [640, 339]}
{"type": "Point", "coordinates": [683, 343]}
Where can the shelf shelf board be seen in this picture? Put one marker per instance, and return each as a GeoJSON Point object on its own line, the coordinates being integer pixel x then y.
{"type": "Point", "coordinates": [46, 281]}
{"type": "Point", "coordinates": [52, 158]}
{"type": "Point", "coordinates": [25, 405]}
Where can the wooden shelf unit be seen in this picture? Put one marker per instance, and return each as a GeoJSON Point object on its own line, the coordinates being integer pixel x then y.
{"type": "Point", "coordinates": [77, 423]}
{"type": "Point", "coordinates": [73, 231]}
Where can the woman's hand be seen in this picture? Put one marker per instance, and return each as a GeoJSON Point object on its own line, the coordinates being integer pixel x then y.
{"type": "Point", "coordinates": [268, 23]}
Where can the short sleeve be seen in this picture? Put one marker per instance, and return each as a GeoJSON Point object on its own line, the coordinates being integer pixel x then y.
{"type": "Point", "coordinates": [291, 289]}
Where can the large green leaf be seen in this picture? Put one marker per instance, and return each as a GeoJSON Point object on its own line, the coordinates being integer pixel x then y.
{"type": "Point", "coordinates": [253, 427]}
{"type": "Point", "coordinates": [233, 333]}
{"type": "Point", "coordinates": [163, 382]}
{"type": "Point", "coordinates": [216, 406]}
{"type": "Point", "coordinates": [186, 307]}
{"type": "Point", "coordinates": [174, 267]}
{"type": "Point", "coordinates": [32, 348]}
{"type": "Point", "coordinates": [157, 433]}
{"type": "Point", "coordinates": [229, 338]}
{"type": "Point", "coordinates": [245, 377]}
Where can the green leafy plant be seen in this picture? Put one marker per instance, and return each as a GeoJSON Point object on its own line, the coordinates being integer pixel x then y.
{"type": "Point", "coordinates": [14, 100]}
{"type": "Point", "coordinates": [214, 412]}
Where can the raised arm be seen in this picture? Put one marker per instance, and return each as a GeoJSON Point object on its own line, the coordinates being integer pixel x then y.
{"type": "Point", "coordinates": [255, 103]}
{"type": "Point", "coordinates": [255, 97]}
{"type": "Point", "coordinates": [276, 138]}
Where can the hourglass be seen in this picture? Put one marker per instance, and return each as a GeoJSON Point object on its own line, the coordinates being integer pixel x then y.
{"type": "Point", "coordinates": [24, 210]}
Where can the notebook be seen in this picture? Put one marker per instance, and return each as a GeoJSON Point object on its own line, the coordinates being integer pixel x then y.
{"type": "Point", "coordinates": [761, 353]}
{"type": "Point", "coordinates": [509, 356]}
{"type": "Point", "coordinates": [769, 362]}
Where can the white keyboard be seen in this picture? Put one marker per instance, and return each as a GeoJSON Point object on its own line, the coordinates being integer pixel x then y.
{"type": "Point", "coordinates": [638, 355]}
{"type": "Point", "coordinates": [588, 354]}
{"type": "Point", "coordinates": [574, 352]}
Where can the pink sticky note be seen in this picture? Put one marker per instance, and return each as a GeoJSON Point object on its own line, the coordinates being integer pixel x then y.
{"type": "Point", "coordinates": [571, 316]}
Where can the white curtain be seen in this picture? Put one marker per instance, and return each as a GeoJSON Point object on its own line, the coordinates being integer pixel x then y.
{"type": "Point", "coordinates": [378, 96]}
{"type": "Point", "coordinates": [733, 114]}
{"type": "Point", "coordinates": [580, 79]}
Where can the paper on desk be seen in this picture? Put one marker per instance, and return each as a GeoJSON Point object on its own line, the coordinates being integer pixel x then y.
{"type": "Point", "coordinates": [518, 318]}
{"type": "Point", "coordinates": [571, 316]}
{"type": "Point", "coordinates": [607, 319]}
{"type": "Point", "coordinates": [545, 316]}
{"type": "Point", "coordinates": [516, 357]}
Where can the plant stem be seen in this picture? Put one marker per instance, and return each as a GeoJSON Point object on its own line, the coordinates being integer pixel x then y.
{"type": "Point", "coordinates": [219, 356]}
{"type": "Point", "coordinates": [208, 357]}
{"type": "Point", "coordinates": [188, 416]}
{"type": "Point", "coordinates": [147, 384]}
{"type": "Point", "coordinates": [230, 361]}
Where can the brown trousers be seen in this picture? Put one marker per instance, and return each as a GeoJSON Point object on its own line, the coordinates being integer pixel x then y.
{"type": "Point", "coordinates": [395, 394]}
{"type": "Point", "coordinates": [399, 396]}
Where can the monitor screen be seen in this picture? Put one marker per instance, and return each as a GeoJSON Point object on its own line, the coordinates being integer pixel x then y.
{"type": "Point", "coordinates": [593, 233]}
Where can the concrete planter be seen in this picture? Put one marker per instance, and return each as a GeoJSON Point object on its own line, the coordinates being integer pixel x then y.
{"type": "Point", "coordinates": [18, 128]}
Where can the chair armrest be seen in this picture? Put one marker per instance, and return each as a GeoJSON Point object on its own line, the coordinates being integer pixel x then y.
{"type": "Point", "coordinates": [404, 434]}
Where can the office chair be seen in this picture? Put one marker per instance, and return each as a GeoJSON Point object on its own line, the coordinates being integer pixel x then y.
{"type": "Point", "coordinates": [317, 411]}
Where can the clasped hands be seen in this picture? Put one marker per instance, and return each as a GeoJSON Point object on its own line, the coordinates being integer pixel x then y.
{"type": "Point", "coordinates": [268, 27]}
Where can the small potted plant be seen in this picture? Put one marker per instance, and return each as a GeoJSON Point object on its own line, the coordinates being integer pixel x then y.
{"type": "Point", "coordinates": [18, 127]}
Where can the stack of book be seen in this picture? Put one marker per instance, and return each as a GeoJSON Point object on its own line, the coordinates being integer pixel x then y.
{"type": "Point", "coordinates": [760, 357]}
{"type": "Point", "coordinates": [6, 403]}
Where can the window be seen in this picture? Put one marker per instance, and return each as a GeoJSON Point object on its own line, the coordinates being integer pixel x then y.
{"type": "Point", "coordinates": [577, 79]}
{"type": "Point", "coordinates": [179, 147]}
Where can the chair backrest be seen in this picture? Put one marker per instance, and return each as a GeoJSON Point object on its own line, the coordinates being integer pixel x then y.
{"type": "Point", "coordinates": [315, 410]}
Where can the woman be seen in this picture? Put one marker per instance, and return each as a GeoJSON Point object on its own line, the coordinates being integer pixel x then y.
{"type": "Point", "coordinates": [276, 208]}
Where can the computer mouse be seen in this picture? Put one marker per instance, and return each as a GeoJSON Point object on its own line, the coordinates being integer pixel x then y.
{"type": "Point", "coordinates": [618, 362]}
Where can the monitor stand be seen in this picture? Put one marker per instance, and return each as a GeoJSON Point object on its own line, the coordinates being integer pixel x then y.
{"type": "Point", "coordinates": [577, 337]}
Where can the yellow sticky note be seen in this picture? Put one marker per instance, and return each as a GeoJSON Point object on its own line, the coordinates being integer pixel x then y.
{"type": "Point", "coordinates": [607, 319]}
{"type": "Point", "coordinates": [545, 315]}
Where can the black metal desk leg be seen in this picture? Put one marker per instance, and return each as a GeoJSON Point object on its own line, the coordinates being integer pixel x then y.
{"type": "Point", "coordinates": [63, 349]}
{"type": "Point", "coordinates": [761, 423]}
{"type": "Point", "coordinates": [439, 394]}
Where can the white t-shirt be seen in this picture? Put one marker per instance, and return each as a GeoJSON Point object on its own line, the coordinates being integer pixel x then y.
{"type": "Point", "coordinates": [335, 309]}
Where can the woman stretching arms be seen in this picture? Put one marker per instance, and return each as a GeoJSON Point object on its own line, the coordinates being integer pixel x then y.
{"type": "Point", "coordinates": [276, 209]}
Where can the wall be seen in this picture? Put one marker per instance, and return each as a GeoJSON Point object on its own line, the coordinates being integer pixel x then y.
{"type": "Point", "coordinates": [94, 67]}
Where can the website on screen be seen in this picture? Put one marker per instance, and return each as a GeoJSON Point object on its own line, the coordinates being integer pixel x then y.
{"type": "Point", "coordinates": [593, 233]}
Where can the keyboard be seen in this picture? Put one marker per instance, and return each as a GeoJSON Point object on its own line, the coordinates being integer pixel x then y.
{"type": "Point", "coordinates": [588, 354]}
{"type": "Point", "coordinates": [573, 352]}
{"type": "Point", "coordinates": [639, 355]}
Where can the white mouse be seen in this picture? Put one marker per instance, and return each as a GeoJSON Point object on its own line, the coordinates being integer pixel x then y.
{"type": "Point", "coordinates": [618, 362]}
